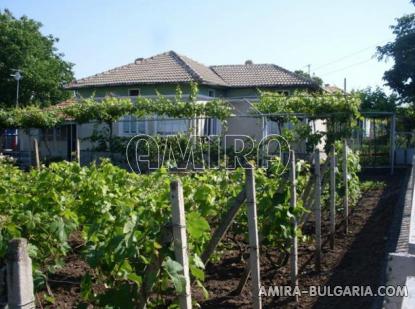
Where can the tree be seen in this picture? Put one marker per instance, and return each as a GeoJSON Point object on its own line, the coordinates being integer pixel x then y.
{"type": "Point", "coordinates": [401, 77]}
{"type": "Point", "coordinates": [314, 78]}
{"type": "Point", "coordinates": [376, 100]}
{"type": "Point", "coordinates": [44, 71]}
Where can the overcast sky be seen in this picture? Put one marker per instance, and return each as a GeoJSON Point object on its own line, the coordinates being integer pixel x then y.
{"type": "Point", "coordinates": [338, 38]}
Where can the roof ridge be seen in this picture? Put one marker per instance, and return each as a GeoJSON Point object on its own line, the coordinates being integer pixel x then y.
{"type": "Point", "coordinates": [101, 73]}
{"type": "Point", "coordinates": [309, 80]}
{"type": "Point", "coordinates": [121, 67]}
{"type": "Point", "coordinates": [171, 67]}
{"type": "Point", "coordinates": [179, 59]}
{"type": "Point", "coordinates": [239, 65]}
{"type": "Point", "coordinates": [201, 64]}
{"type": "Point", "coordinates": [166, 53]}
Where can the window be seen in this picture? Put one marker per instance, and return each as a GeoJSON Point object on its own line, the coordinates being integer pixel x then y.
{"type": "Point", "coordinates": [141, 126]}
{"type": "Point", "coordinates": [211, 93]}
{"type": "Point", "coordinates": [212, 127]}
{"type": "Point", "coordinates": [132, 125]}
{"type": "Point", "coordinates": [133, 92]}
{"type": "Point", "coordinates": [126, 124]}
{"type": "Point", "coordinates": [273, 127]}
{"type": "Point", "coordinates": [171, 126]}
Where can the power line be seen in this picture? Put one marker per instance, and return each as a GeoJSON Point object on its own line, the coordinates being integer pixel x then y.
{"type": "Point", "coordinates": [347, 67]}
{"type": "Point", "coordinates": [357, 63]}
{"type": "Point", "coordinates": [349, 55]}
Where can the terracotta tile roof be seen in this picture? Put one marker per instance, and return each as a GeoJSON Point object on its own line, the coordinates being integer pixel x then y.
{"type": "Point", "coordinates": [259, 75]}
{"type": "Point", "coordinates": [168, 67]}
{"type": "Point", "coordinates": [332, 88]}
{"type": "Point", "coordinates": [205, 73]}
{"type": "Point", "coordinates": [171, 67]}
{"type": "Point", "coordinates": [62, 105]}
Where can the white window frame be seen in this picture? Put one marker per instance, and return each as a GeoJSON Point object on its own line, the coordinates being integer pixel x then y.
{"type": "Point", "coordinates": [160, 119]}
{"type": "Point", "coordinates": [128, 119]}
{"type": "Point", "coordinates": [213, 125]}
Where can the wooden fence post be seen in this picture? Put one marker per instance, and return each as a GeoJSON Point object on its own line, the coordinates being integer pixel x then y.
{"type": "Point", "coordinates": [294, 240]}
{"type": "Point", "coordinates": [346, 188]}
{"type": "Point", "coordinates": [36, 148]}
{"type": "Point", "coordinates": [247, 270]}
{"type": "Point", "coordinates": [332, 196]}
{"type": "Point", "coordinates": [19, 276]}
{"type": "Point", "coordinates": [317, 207]}
{"type": "Point", "coordinates": [253, 238]}
{"type": "Point", "coordinates": [164, 240]}
{"type": "Point", "coordinates": [223, 226]}
{"type": "Point", "coordinates": [78, 150]}
{"type": "Point", "coordinates": [180, 239]}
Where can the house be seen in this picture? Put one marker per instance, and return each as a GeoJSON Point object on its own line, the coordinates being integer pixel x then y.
{"type": "Point", "coordinates": [238, 84]}
{"type": "Point", "coordinates": [55, 143]}
{"type": "Point", "coordinates": [332, 89]}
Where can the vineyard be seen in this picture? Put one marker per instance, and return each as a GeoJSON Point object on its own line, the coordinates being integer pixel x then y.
{"type": "Point", "coordinates": [100, 235]}
{"type": "Point", "coordinates": [170, 183]}
{"type": "Point", "coordinates": [123, 221]}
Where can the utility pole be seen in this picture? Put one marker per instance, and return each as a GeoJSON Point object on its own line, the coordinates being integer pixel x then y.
{"type": "Point", "coordinates": [309, 69]}
{"type": "Point", "coordinates": [345, 86]}
{"type": "Point", "coordinates": [17, 76]}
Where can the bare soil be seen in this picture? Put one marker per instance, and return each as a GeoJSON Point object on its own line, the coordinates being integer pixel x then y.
{"type": "Point", "coordinates": [358, 259]}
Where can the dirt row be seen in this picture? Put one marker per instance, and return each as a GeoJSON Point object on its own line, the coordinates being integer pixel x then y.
{"type": "Point", "coordinates": [358, 259]}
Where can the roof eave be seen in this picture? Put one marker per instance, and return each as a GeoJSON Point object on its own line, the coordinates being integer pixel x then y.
{"type": "Point", "coordinates": [79, 86]}
{"type": "Point", "coordinates": [281, 86]}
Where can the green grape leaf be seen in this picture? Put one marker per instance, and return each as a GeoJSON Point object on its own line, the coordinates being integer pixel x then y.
{"type": "Point", "coordinates": [196, 225]}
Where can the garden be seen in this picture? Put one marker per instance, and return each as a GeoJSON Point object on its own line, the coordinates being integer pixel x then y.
{"type": "Point", "coordinates": [103, 236]}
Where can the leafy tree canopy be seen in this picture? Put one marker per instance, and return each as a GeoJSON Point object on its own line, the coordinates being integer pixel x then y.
{"type": "Point", "coordinates": [406, 118]}
{"type": "Point", "coordinates": [44, 71]}
{"type": "Point", "coordinates": [376, 100]}
{"type": "Point", "coordinates": [401, 77]}
{"type": "Point", "coordinates": [314, 78]}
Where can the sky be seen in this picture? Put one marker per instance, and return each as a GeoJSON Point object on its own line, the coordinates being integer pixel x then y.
{"type": "Point", "coordinates": [337, 38]}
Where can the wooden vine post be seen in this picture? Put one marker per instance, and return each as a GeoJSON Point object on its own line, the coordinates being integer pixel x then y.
{"type": "Point", "coordinates": [294, 240]}
{"type": "Point", "coordinates": [346, 188]}
{"type": "Point", "coordinates": [180, 239]}
{"type": "Point", "coordinates": [223, 226]}
{"type": "Point", "coordinates": [332, 196]}
{"type": "Point", "coordinates": [154, 267]}
{"type": "Point", "coordinates": [37, 156]}
{"type": "Point", "coordinates": [253, 238]}
{"type": "Point", "coordinates": [317, 207]}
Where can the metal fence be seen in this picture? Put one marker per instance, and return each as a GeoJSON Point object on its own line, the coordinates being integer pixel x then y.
{"type": "Point", "coordinates": [375, 139]}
